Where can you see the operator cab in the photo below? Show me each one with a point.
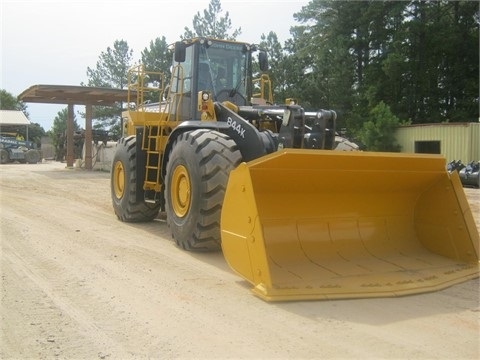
(220, 67)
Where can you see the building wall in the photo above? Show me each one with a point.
(458, 141)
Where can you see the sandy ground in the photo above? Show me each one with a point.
(79, 284)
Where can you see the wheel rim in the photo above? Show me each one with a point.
(180, 191)
(118, 179)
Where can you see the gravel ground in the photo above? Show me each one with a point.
(79, 284)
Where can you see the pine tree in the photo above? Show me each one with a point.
(111, 72)
(212, 24)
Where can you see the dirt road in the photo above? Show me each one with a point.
(79, 284)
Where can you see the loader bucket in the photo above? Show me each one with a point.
(313, 224)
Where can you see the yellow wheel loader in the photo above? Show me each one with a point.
(262, 182)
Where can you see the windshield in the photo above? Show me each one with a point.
(223, 66)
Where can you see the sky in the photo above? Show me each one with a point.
(53, 42)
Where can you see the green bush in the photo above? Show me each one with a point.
(378, 133)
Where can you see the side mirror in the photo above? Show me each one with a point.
(263, 60)
(180, 51)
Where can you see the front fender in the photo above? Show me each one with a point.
(189, 126)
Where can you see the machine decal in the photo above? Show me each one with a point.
(238, 128)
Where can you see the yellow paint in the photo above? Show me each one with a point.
(312, 224)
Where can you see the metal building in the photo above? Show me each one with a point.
(455, 141)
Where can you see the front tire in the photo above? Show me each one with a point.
(32, 156)
(196, 179)
(123, 184)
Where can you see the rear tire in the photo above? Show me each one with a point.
(196, 179)
(123, 184)
(4, 157)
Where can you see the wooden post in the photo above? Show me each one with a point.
(88, 137)
(70, 155)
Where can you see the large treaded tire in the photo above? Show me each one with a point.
(32, 156)
(4, 157)
(196, 179)
(123, 184)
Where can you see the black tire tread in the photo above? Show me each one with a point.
(129, 209)
(217, 155)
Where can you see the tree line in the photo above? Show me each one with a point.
(379, 64)
(420, 58)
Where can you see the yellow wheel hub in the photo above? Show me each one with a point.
(118, 179)
(180, 192)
